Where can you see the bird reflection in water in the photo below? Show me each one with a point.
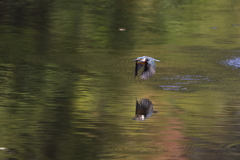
(144, 109)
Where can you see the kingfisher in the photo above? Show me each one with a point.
(149, 66)
(144, 109)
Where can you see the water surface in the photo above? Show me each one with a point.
(68, 89)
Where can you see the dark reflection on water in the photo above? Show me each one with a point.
(36, 108)
(144, 109)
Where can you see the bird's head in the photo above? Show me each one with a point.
(140, 59)
(139, 118)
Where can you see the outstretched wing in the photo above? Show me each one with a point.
(138, 66)
(149, 70)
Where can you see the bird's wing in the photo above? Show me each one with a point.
(149, 70)
(138, 66)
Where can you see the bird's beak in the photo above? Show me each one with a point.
(140, 60)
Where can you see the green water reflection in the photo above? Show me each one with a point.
(67, 79)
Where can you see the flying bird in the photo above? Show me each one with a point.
(144, 109)
(148, 64)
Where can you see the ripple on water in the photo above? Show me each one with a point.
(187, 79)
(190, 78)
(234, 62)
(234, 148)
(172, 88)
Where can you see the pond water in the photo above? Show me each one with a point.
(68, 89)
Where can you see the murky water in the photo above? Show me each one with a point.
(68, 89)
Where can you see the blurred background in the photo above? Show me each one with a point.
(67, 81)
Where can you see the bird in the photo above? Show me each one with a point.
(148, 64)
(144, 109)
